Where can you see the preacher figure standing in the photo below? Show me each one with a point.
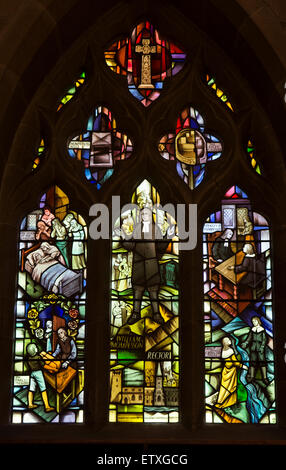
(148, 246)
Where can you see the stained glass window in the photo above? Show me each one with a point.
(50, 306)
(238, 314)
(72, 91)
(253, 160)
(144, 297)
(211, 82)
(100, 146)
(40, 154)
(144, 347)
(146, 60)
(191, 146)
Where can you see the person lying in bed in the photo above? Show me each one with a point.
(45, 254)
(47, 267)
(41, 259)
(51, 253)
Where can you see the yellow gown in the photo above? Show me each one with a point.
(227, 395)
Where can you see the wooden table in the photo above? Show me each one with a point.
(230, 293)
(63, 382)
(229, 274)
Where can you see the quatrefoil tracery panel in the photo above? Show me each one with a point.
(100, 146)
(190, 146)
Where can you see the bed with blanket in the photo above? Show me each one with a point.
(46, 265)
